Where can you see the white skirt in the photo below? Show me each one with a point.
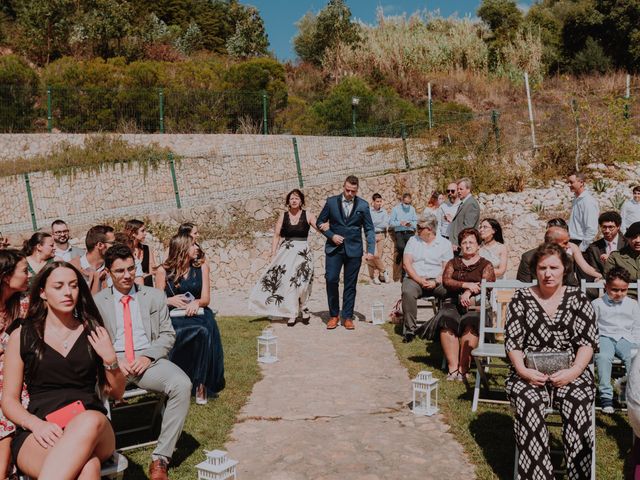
(286, 285)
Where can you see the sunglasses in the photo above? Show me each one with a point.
(451, 191)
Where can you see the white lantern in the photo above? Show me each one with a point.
(423, 386)
(377, 313)
(217, 466)
(267, 346)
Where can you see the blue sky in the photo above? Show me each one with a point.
(280, 16)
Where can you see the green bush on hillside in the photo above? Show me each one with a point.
(18, 94)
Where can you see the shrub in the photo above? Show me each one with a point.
(18, 94)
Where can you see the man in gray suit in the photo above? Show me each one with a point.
(468, 214)
(138, 322)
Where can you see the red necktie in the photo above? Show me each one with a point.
(128, 329)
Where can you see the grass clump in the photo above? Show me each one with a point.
(487, 435)
(208, 426)
(99, 152)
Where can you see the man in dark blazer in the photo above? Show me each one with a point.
(612, 240)
(468, 214)
(137, 319)
(342, 220)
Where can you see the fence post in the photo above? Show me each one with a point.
(403, 134)
(172, 167)
(430, 106)
(30, 198)
(298, 166)
(627, 94)
(496, 130)
(533, 127)
(265, 113)
(161, 100)
(49, 111)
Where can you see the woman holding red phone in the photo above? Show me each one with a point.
(61, 351)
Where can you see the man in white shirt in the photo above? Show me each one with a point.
(630, 210)
(619, 328)
(60, 233)
(137, 319)
(448, 209)
(424, 259)
(583, 222)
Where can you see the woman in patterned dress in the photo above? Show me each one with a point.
(551, 317)
(286, 285)
(14, 277)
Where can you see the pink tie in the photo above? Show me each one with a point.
(609, 247)
(128, 329)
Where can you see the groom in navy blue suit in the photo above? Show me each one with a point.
(341, 221)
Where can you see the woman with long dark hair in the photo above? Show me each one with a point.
(13, 283)
(198, 346)
(137, 233)
(191, 229)
(492, 247)
(61, 351)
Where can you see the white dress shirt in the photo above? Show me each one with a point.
(446, 208)
(140, 340)
(630, 213)
(428, 258)
(618, 320)
(347, 206)
(583, 222)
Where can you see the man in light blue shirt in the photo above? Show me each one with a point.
(619, 327)
(630, 210)
(380, 219)
(583, 221)
(403, 222)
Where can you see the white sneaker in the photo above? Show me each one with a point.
(608, 410)
(376, 281)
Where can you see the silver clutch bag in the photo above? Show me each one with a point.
(548, 362)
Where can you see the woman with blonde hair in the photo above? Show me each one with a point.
(198, 346)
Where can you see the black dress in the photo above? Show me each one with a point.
(58, 380)
(198, 346)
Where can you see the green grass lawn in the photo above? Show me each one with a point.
(208, 427)
(487, 435)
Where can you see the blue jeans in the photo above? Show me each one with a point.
(610, 348)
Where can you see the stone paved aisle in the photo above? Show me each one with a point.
(336, 407)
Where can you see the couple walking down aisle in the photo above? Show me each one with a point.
(285, 287)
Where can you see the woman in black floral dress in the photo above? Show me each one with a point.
(551, 317)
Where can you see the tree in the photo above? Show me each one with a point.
(317, 33)
(250, 37)
(504, 19)
(45, 25)
(100, 23)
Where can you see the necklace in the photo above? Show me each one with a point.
(63, 338)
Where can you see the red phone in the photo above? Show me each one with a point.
(64, 415)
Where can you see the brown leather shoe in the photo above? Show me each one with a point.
(158, 470)
(348, 324)
(333, 323)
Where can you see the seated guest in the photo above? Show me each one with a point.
(124, 239)
(137, 232)
(4, 241)
(198, 347)
(619, 327)
(598, 252)
(64, 251)
(191, 229)
(98, 240)
(630, 211)
(459, 320)
(39, 250)
(559, 236)
(61, 352)
(627, 256)
(425, 257)
(380, 219)
(137, 319)
(403, 222)
(493, 247)
(551, 317)
(13, 283)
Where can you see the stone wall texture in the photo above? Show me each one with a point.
(217, 183)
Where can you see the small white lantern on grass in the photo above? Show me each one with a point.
(423, 386)
(377, 313)
(217, 466)
(267, 346)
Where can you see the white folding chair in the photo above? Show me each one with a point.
(503, 290)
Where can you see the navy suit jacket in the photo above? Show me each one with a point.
(350, 228)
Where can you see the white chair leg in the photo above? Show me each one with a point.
(476, 390)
